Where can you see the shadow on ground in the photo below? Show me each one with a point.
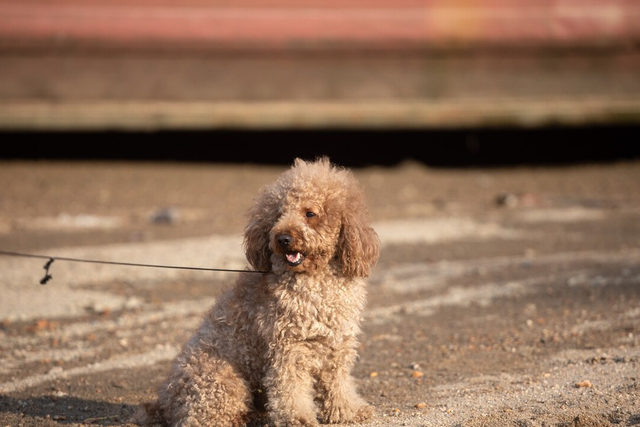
(65, 410)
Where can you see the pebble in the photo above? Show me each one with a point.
(507, 199)
(512, 200)
(585, 383)
(164, 215)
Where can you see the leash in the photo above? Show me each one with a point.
(51, 259)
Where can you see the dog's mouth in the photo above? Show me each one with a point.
(294, 258)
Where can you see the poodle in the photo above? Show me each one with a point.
(283, 341)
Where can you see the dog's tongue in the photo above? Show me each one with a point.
(293, 258)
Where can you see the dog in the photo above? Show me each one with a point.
(283, 341)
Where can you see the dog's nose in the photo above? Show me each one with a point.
(284, 240)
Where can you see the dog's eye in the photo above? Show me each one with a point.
(310, 214)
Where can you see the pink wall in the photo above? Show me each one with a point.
(286, 24)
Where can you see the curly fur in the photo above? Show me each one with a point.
(284, 341)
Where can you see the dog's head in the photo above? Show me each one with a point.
(312, 216)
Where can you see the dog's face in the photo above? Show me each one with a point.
(313, 215)
(306, 233)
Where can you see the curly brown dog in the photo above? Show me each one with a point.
(286, 337)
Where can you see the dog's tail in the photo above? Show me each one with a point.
(147, 414)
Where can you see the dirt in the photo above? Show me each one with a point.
(503, 297)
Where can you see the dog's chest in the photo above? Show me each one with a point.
(323, 311)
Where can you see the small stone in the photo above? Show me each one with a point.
(509, 200)
(417, 374)
(164, 215)
(373, 374)
(584, 384)
(420, 405)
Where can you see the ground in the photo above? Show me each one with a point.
(503, 297)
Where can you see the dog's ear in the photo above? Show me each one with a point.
(256, 245)
(358, 246)
(262, 216)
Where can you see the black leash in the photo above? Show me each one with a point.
(51, 259)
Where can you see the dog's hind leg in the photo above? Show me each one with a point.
(203, 390)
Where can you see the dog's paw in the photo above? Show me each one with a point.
(336, 414)
(305, 422)
(146, 414)
(296, 421)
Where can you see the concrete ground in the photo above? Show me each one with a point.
(503, 297)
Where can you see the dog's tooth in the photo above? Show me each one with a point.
(293, 258)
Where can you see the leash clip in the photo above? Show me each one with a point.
(47, 276)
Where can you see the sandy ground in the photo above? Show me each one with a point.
(503, 297)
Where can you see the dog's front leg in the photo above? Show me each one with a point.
(289, 387)
(341, 403)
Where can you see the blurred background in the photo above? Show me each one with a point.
(446, 82)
